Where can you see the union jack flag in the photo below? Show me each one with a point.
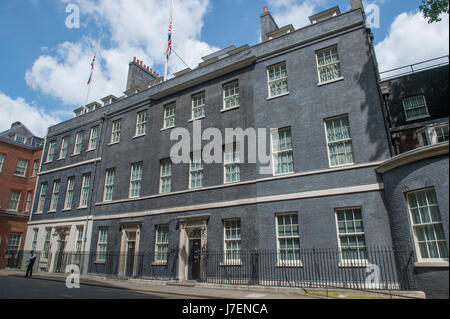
(92, 69)
(169, 45)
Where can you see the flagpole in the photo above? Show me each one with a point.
(167, 53)
(92, 76)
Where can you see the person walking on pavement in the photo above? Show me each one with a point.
(31, 265)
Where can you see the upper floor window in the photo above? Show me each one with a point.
(69, 193)
(35, 168)
(231, 95)
(232, 241)
(141, 125)
(42, 198)
(21, 168)
(135, 180)
(432, 135)
(2, 160)
(85, 187)
(288, 239)
(78, 143)
(232, 166)
(166, 176)
(55, 196)
(427, 225)
(109, 184)
(278, 80)
(51, 152)
(328, 65)
(162, 244)
(169, 116)
(415, 108)
(339, 139)
(64, 148)
(93, 139)
(283, 155)
(352, 240)
(116, 129)
(198, 106)
(29, 200)
(14, 200)
(196, 171)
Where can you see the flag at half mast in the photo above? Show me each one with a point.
(92, 69)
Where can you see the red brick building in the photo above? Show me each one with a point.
(20, 155)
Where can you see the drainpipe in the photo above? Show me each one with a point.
(92, 192)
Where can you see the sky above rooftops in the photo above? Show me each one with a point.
(45, 65)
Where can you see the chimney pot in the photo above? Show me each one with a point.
(134, 59)
(265, 9)
(145, 66)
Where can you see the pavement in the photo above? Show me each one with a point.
(158, 289)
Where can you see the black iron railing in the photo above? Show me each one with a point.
(368, 269)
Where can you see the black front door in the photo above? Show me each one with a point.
(194, 259)
(130, 258)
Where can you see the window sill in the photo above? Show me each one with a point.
(432, 264)
(345, 165)
(81, 208)
(21, 176)
(231, 183)
(74, 155)
(285, 174)
(51, 212)
(67, 210)
(48, 162)
(332, 81)
(110, 144)
(230, 109)
(418, 118)
(294, 264)
(354, 264)
(139, 136)
(160, 264)
(276, 97)
(200, 118)
(98, 262)
(61, 159)
(231, 264)
(167, 128)
(88, 151)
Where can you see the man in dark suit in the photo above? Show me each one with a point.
(31, 265)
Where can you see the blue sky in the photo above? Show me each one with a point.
(44, 65)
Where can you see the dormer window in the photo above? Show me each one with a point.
(432, 135)
(20, 139)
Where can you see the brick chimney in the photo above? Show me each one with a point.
(357, 4)
(268, 24)
(139, 75)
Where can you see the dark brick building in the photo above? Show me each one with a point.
(20, 154)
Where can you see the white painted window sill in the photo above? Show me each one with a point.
(230, 109)
(354, 264)
(330, 82)
(81, 208)
(61, 159)
(231, 264)
(341, 166)
(51, 212)
(276, 97)
(167, 128)
(432, 264)
(139, 136)
(159, 264)
(294, 264)
(21, 176)
(285, 174)
(90, 150)
(67, 210)
(200, 118)
(99, 262)
(115, 143)
(74, 155)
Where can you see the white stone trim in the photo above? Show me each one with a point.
(70, 166)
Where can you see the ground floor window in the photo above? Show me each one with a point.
(352, 240)
(288, 237)
(232, 242)
(13, 243)
(162, 244)
(102, 247)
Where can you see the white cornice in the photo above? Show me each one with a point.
(70, 166)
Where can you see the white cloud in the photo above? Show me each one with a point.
(35, 119)
(293, 12)
(411, 39)
(135, 28)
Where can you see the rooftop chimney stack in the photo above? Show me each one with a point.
(268, 24)
(357, 4)
(139, 75)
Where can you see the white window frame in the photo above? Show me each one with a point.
(68, 200)
(20, 139)
(78, 144)
(42, 198)
(141, 124)
(14, 197)
(288, 263)
(138, 167)
(165, 176)
(340, 141)
(64, 148)
(93, 139)
(46, 251)
(277, 80)
(233, 97)
(35, 168)
(238, 229)
(172, 115)
(116, 132)
(416, 117)
(35, 238)
(79, 239)
(102, 242)
(429, 135)
(197, 169)
(22, 167)
(196, 106)
(51, 152)
(2, 160)
(274, 153)
(235, 161)
(109, 184)
(55, 196)
(414, 226)
(29, 201)
(360, 262)
(319, 67)
(85, 190)
(162, 245)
